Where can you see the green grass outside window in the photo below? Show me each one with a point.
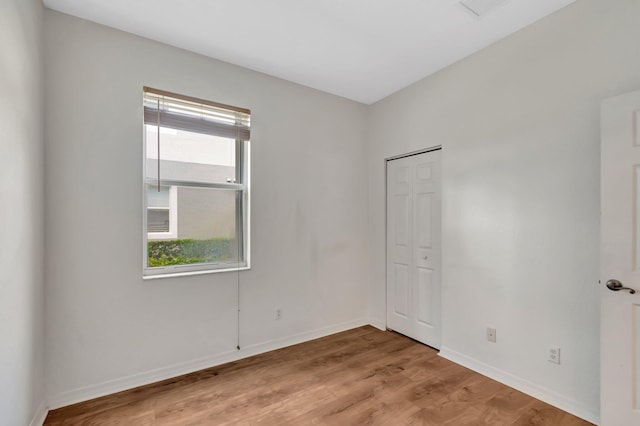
(188, 251)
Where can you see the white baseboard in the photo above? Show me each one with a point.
(117, 385)
(40, 415)
(272, 345)
(539, 392)
(377, 323)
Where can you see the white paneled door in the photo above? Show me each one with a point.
(413, 247)
(620, 261)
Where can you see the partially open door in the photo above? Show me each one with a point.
(620, 261)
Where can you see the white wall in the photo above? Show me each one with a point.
(519, 123)
(107, 328)
(21, 213)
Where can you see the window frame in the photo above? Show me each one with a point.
(241, 186)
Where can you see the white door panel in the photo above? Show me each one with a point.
(425, 298)
(413, 247)
(401, 291)
(620, 251)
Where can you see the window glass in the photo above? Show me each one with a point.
(207, 230)
(189, 156)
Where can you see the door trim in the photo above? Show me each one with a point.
(408, 154)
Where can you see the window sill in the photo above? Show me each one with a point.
(190, 273)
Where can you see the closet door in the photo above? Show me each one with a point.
(413, 247)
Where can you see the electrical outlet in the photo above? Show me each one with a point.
(491, 335)
(278, 313)
(554, 355)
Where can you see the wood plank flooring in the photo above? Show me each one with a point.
(362, 376)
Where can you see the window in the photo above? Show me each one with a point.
(162, 212)
(195, 185)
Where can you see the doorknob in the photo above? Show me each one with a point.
(616, 285)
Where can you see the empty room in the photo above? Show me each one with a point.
(285, 212)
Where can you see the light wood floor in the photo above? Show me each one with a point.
(359, 377)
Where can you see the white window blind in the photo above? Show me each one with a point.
(196, 115)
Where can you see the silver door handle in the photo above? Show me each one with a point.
(615, 285)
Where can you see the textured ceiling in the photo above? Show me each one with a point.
(359, 49)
